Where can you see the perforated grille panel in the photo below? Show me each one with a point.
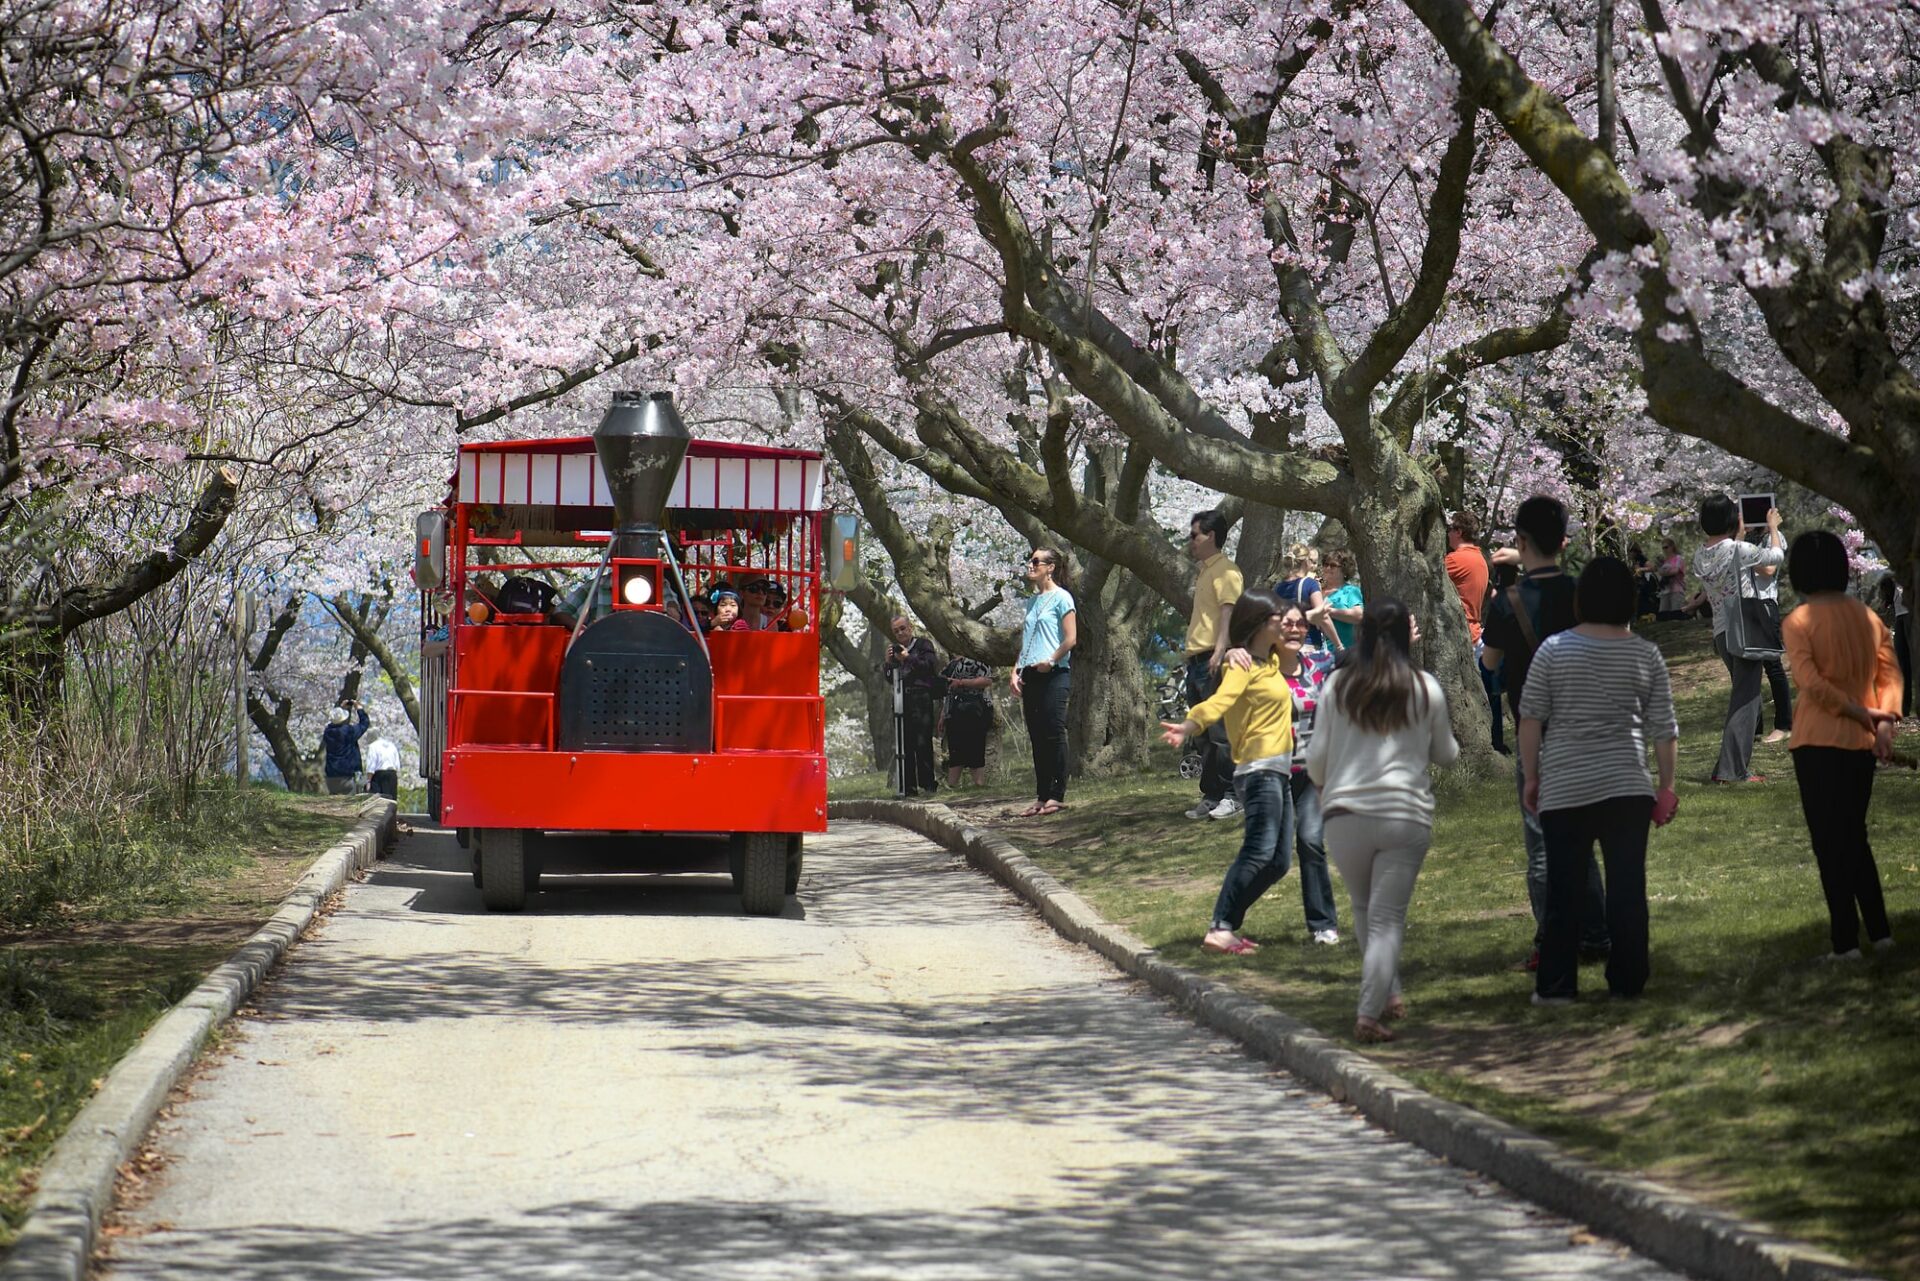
(636, 681)
(635, 700)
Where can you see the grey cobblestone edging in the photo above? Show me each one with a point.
(1655, 1220)
(75, 1185)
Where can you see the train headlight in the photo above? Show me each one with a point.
(638, 589)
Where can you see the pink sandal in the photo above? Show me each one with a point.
(1233, 946)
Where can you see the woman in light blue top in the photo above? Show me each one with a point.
(1042, 678)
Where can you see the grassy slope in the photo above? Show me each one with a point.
(74, 998)
(1749, 1073)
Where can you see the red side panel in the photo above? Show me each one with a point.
(767, 687)
(634, 791)
(517, 658)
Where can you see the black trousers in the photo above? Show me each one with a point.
(1216, 757)
(1620, 825)
(385, 782)
(1836, 786)
(916, 772)
(1043, 702)
(1782, 696)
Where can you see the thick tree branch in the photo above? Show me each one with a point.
(83, 604)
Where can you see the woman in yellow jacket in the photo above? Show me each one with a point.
(1257, 705)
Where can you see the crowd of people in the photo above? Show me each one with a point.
(1330, 730)
(714, 601)
(1316, 728)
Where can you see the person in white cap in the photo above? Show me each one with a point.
(341, 746)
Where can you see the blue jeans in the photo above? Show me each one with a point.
(1266, 848)
(1310, 841)
(1490, 681)
(1593, 901)
(1216, 757)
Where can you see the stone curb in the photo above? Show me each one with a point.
(1655, 1220)
(76, 1182)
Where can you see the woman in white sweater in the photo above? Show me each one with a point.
(1381, 722)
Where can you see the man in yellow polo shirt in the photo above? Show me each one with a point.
(1217, 585)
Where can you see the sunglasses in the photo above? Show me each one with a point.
(1036, 560)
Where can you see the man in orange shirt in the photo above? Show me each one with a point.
(1467, 567)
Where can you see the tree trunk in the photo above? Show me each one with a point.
(365, 625)
(1398, 529)
(1111, 715)
(862, 661)
(298, 771)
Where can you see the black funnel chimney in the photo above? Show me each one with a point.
(641, 442)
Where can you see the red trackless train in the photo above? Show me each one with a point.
(569, 684)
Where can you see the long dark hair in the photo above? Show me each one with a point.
(1382, 691)
(1250, 613)
(1058, 564)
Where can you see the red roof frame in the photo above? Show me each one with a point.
(584, 445)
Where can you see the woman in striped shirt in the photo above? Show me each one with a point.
(1595, 695)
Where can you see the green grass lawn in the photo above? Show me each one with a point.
(76, 995)
(1750, 1073)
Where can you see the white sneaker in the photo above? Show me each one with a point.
(1227, 808)
(1551, 1000)
(1883, 945)
(1326, 936)
(1204, 808)
(1831, 957)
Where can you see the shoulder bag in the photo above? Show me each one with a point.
(1753, 625)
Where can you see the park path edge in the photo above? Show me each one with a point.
(76, 1182)
(1659, 1222)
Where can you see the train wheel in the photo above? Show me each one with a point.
(433, 799)
(503, 868)
(763, 882)
(796, 855)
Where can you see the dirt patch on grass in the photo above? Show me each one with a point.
(1571, 1070)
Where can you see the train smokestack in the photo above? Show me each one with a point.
(641, 443)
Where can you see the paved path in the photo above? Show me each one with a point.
(907, 1076)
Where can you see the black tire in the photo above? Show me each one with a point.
(796, 858)
(737, 860)
(433, 799)
(503, 863)
(763, 881)
(463, 837)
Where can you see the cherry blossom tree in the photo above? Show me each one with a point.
(1760, 230)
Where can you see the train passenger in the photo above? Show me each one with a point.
(567, 611)
(726, 612)
(777, 616)
(702, 613)
(753, 606)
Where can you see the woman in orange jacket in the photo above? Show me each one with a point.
(1842, 660)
